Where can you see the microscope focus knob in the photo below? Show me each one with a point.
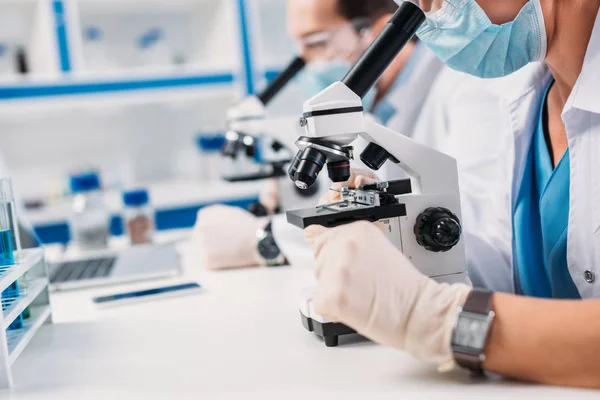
(438, 229)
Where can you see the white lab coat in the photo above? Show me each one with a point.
(512, 104)
(522, 95)
(458, 118)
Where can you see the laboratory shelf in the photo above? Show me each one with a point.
(28, 292)
(31, 90)
(34, 296)
(29, 259)
(18, 339)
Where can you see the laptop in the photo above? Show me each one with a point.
(109, 267)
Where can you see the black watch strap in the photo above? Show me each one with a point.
(478, 302)
(469, 361)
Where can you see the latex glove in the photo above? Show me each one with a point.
(369, 285)
(225, 237)
(358, 177)
(269, 195)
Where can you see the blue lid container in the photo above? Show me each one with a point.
(136, 198)
(85, 182)
(210, 143)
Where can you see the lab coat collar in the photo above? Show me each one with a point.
(585, 93)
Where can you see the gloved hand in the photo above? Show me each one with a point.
(358, 177)
(369, 285)
(225, 237)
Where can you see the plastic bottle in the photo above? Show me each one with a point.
(90, 218)
(139, 216)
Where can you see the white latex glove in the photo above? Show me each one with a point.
(369, 285)
(358, 177)
(225, 237)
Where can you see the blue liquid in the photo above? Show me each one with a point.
(16, 324)
(6, 249)
(10, 295)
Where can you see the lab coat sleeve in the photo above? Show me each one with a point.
(463, 118)
(479, 137)
(291, 242)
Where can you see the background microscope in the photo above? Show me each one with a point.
(269, 141)
(252, 133)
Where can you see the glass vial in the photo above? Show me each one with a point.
(139, 217)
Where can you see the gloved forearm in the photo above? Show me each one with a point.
(368, 284)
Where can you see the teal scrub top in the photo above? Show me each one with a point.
(541, 220)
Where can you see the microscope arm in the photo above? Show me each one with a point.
(254, 107)
(281, 81)
(430, 171)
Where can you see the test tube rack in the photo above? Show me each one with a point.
(31, 273)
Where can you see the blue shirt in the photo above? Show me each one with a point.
(540, 222)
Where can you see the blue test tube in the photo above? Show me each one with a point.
(9, 296)
(7, 197)
(6, 247)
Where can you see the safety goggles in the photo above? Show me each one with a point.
(342, 41)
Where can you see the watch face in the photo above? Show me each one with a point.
(268, 249)
(471, 331)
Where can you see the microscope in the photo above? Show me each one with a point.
(252, 133)
(268, 141)
(419, 215)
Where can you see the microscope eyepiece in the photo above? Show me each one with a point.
(306, 166)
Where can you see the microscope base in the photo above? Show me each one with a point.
(329, 331)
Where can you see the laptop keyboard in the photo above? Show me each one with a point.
(73, 271)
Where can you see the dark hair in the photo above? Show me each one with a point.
(370, 9)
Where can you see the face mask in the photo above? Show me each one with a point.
(319, 75)
(464, 38)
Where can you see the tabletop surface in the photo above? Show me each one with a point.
(240, 337)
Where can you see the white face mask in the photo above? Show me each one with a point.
(464, 38)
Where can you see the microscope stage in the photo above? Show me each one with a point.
(334, 215)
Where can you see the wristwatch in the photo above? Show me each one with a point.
(471, 330)
(267, 248)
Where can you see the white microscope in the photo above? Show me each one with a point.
(268, 141)
(420, 215)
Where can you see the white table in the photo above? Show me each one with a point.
(241, 337)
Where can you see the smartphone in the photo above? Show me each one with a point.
(149, 294)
